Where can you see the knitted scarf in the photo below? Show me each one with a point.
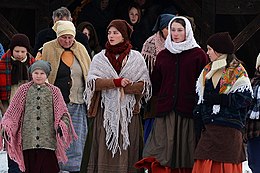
(13, 119)
(118, 111)
(121, 49)
(19, 70)
(233, 79)
(152, 46)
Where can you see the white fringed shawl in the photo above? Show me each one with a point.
(118, 110)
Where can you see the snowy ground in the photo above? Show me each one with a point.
(3, 164)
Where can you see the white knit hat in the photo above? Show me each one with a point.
(257, 61)
(63, 27)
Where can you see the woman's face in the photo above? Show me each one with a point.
(19, 53)
(114, 36)
(104, 4)
(178, 32)
(66, 41)
(133, 15)
(213, 55)
(86, 33)
(39, 76)
(165, 32)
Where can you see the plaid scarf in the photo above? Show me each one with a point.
(6, 74)
(121, 49)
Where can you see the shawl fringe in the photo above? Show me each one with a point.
(118, 110)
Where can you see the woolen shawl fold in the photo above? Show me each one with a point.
(13, 119)
(118, 111)
(233, 79)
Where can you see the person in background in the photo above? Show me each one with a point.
(49, 34)
(117, 80)
(14, 66)
(99, 13)
(253, 123)
(224, 93)
(171, 143)
(70, 64)
(138, 38)
(152, 46)
(89, 31)
(37, 125)
(2, 51)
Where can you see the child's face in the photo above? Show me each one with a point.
(19, 53)
(39, 76)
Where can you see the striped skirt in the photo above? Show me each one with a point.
(172, 142)
(78, 115)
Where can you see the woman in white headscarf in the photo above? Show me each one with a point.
(170, 145)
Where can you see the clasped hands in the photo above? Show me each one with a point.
(216, 99)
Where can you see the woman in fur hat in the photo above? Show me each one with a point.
(224, 92)
(170, 145)
(37, 125)
(14, 66)
(253, 123)
(117, 80)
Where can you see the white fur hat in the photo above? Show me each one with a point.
(257, 61)
(63, 27)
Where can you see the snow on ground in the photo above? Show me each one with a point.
(3, 164)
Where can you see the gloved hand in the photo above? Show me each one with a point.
(59, 131)
(217, 99)
(197, 111)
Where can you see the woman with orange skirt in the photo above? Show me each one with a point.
(224, 92)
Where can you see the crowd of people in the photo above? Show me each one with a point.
(161, 105)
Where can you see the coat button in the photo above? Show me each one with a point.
(38, 118)
(37, 128)
(38, 98)
(38, 107)
(37, 145)
(37, 137)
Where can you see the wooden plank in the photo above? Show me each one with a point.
(208, 19)
(247, 33)
(6, 27)
(18, 4)
(241, 7)
(195, 11)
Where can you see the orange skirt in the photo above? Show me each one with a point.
(209, 166)
(154, 166)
